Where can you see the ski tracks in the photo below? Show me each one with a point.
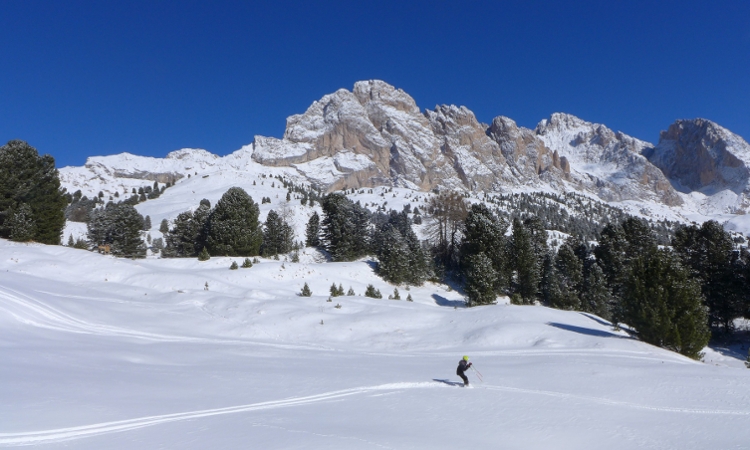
(65, 434)
(606, 401)
(79, 432)
(31, 311)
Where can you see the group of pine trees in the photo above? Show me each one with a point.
(231, 228)
(349, 231)
(673, 296)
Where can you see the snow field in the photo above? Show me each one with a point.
(101, 352)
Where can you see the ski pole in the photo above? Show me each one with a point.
(477, 373)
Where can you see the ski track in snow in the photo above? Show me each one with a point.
(64, 434)
(30, 311)
(79, 432)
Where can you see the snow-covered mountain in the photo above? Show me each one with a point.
(376, 135)
(706, 160)
(605, 162)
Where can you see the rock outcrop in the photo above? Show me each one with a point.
(699, 155)
(527, 155)
(401, 146)
(604, 162)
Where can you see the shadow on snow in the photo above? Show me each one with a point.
(586, 331)
(442, 301)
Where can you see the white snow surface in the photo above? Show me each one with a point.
(100, 352)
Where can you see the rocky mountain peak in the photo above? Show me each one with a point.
(606, 162)
(700, 155)
(377, 91)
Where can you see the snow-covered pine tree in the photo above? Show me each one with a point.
(233, 227)
(484, 233)
(708, 251)
(664, 304)
(568, 279)
(526, 263)
(118, 225)
(26, 177)
(596, 297)
(393, 255)
(21, 224)
(277, 235)
(312, 231)
(481, 278)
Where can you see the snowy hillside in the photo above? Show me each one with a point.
(111, 353)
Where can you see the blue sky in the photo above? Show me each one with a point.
(84, 78)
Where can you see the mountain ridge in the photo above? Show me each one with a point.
(376, 135)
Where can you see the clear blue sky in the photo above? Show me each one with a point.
(84, 78)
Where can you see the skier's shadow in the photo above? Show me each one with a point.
(449, 382)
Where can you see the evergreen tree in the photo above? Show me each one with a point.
(188, 234)
(118, 225)
(27, 178)
(312, 232)
(596, 296)
(485, 233)
(611, 257)
(306, 292)
(371, 292)
(393, 255)
(664, 304)
(569, 279)
(708, 251)
(481, 278)
(527, 266)
(21, 224)
(164, 226)
(204, 255)
(344, 228)
(158, 244)
(147, 223)
(448, 211)
(234, 266)
(400, 254)
(233, 227)
(277, 235)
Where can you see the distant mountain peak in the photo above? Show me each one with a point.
(700, 155)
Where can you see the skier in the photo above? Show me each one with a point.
(463, 366)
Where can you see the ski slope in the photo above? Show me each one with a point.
(109, 353)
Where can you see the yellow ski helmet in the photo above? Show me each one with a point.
(466, 358)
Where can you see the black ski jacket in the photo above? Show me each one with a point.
(463, 366)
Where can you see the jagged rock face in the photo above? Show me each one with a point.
(607, 163)
(528, 157)
(476, 158)
(699, 155)
(386, 140)
(446, 147)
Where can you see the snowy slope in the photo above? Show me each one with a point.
(101, 352)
